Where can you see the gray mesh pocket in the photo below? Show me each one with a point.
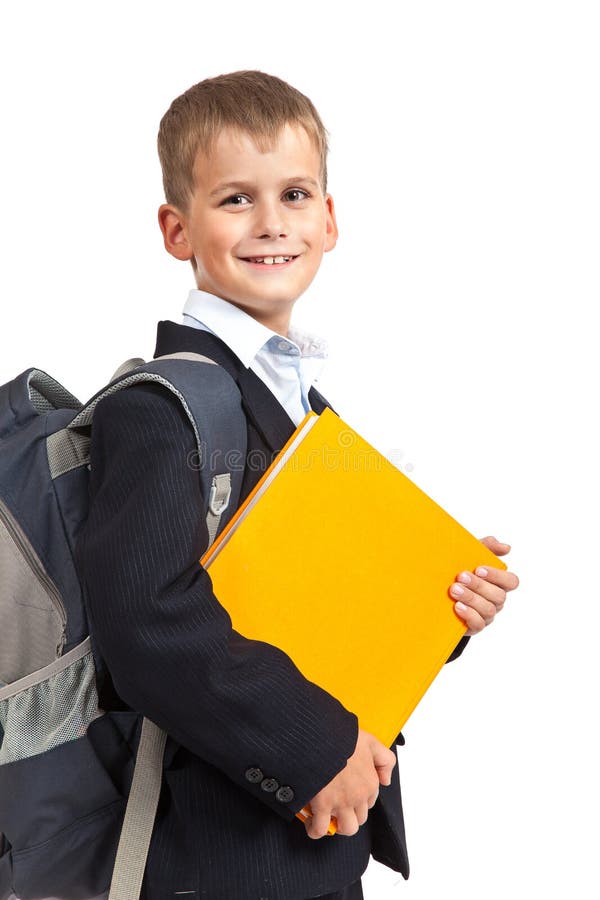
(50, 707)
(31, 608)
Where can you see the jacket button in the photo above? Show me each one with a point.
(253, 775)
(269, 785)
(285, 794)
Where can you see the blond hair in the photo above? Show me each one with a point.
(249, 101)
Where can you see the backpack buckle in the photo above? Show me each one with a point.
(220, 494)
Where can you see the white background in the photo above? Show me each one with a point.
(459, 304)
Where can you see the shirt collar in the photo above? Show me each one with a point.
(242, 333)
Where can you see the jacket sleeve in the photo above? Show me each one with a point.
(458, 649)
(241, 705)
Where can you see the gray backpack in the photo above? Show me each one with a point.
(73, 777)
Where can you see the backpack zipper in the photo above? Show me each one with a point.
(33, 561)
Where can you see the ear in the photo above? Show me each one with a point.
(331, 229)
(173, 226)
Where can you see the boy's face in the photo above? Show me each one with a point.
(257, 224)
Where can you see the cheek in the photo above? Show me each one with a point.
(216, 239)
(225, 233)
(318, 239)
(318, 231)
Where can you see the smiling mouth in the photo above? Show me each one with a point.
(271, 261)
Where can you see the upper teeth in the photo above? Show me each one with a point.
(269, 260)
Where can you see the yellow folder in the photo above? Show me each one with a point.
(344, 563)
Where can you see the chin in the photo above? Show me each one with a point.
(272, 295)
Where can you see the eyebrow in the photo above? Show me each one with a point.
(246, 185)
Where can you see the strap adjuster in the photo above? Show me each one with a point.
(220, 494)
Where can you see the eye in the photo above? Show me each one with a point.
(236, 200)
(294, 195)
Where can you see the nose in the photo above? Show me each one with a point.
(270, 221)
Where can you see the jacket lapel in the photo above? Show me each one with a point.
(262, 408)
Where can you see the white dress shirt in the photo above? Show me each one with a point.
(287, 365)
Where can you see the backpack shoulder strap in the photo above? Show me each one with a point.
(212, 402)
(221, 431)
(136, 832)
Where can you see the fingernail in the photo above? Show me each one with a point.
(460, 606)
(481, 571)
(457, 590)
(465, 577)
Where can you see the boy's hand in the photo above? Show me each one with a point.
(481, 594)
(351, 794)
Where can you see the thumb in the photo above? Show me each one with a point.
(384, 761)
(496, 546)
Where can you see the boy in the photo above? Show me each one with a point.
(251, 741)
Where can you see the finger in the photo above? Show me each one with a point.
(384, 760)
(508, 581)
(384, 773)
(496, 546)
(318, 824)
(347, 822)
(362, 813)
(373, 799)
(485, 609)
(480, 587)
(472, 619)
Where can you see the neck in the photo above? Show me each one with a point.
(277, 320)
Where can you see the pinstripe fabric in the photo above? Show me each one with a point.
(352, 892)
(168, 651)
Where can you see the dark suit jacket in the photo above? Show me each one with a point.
(233, 708)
